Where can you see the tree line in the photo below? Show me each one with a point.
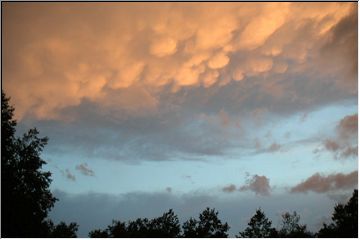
(208, 225)
(26, 201)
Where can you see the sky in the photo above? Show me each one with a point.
(152, 106)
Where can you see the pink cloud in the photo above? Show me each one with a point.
(320, 184)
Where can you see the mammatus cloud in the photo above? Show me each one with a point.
(174, 46)
(85, 170)
(142, 77)
(345, 143)
(320, 184)
(258, 184)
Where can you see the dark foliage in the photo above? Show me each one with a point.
(259, 227)
(208, 225)
(291, 228)
(165, 226)
(62, 230)
(26, 198)
(168, 226)
(345, 220)
(25, 195)
(98, 233)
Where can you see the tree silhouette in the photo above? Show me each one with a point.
(209, 225)
(62, 230)
(291, 228)
(98, 233)
(345, 220)
(258, 227)
(26, 198)
(165, 226)
(25, 195)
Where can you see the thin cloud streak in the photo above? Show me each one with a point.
(85, 170)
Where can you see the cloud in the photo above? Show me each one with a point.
(95, 210)
(270, 18)
(69, 175)
(229, 189)
(143, 81)
(345, 143)
(274, 147)
(220, 60)
(85, 170)
(348, 126)
(333, 182)
(331, 145)
(258, 184)
(163, 47)
(350, 152)
(168, 189)
(153, 48)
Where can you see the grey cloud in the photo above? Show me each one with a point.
(229, 189)
(274, 147)
(69, 175)
(163, 136)
(304, 117)
(348, 126)
(331, 145)
(85, 170)
(333, 182)
(66, 173)
(258, 184)
(345, 143)
(350, 152)
(95, 210)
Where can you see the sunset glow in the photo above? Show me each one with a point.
(151, 106)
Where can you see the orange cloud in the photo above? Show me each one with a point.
(270, 18)
(163, 47)
(65, 55)
(220, 60)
